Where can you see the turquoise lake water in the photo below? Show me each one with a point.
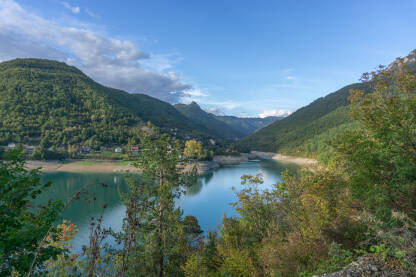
(207, 200)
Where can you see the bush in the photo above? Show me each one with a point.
(46, 154)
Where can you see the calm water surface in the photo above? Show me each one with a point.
(207, 200)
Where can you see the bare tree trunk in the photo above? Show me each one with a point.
(160, 229)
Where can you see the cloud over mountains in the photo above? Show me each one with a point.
(278, 113)
(112, 62)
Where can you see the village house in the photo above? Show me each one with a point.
(118, 150)
(29, 149)
(85, 149)
(135, 149)
(11, 145)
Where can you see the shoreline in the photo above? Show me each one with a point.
(80, 166)
(307, 162)
(202, 166)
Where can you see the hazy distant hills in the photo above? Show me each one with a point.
(49, 101)
(247, 125)
(194, 113)
(305, 131)
(223, 126)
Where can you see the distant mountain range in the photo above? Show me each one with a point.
(305, 131)
(49, 102)
(248, 125)
(224, 126)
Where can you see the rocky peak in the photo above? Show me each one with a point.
(408, 60)
(194, 104)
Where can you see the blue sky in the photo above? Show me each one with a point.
(244, 58)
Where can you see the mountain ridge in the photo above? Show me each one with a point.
(68, 107)
(226, 126)
(304, 131)
(194, 113)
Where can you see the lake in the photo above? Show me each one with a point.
(207, 200)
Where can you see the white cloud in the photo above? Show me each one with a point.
(278, 112)
(90, 13)
(196, 93)
(161, 62)
(216, 111)
(112, 62)
(290, 77)
(73, 9)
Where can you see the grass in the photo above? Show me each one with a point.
(123, 163)
(106, 155)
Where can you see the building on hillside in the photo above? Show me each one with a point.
(11, 145)
(212, 141)
(135, 149)
(118, 150)
(85, 149)
(29, 149)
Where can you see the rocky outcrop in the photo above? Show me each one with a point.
(205, 166)
(368, 266)
(202, 167)
(230, 160)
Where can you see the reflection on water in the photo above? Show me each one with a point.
(208, 199)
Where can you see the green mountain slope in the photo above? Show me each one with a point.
(49, 101)
(209, 121)
(247, 125)
(289, 133)
(306, 131)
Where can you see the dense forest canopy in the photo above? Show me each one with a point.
(48, 102)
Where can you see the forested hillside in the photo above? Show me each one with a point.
(306, 131)
(209, 121)
(288, 134)
(56, 104)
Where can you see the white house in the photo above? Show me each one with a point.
(117, 150)
(11, 145)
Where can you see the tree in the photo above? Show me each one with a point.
(380, 157)
(193, 149)
(156, 240)
(24, 227)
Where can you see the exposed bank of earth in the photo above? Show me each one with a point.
(202, 166)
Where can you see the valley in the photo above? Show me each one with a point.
(207, 138)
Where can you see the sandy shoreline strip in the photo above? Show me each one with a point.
(110, 166)
(285, 159)
(79, 166)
